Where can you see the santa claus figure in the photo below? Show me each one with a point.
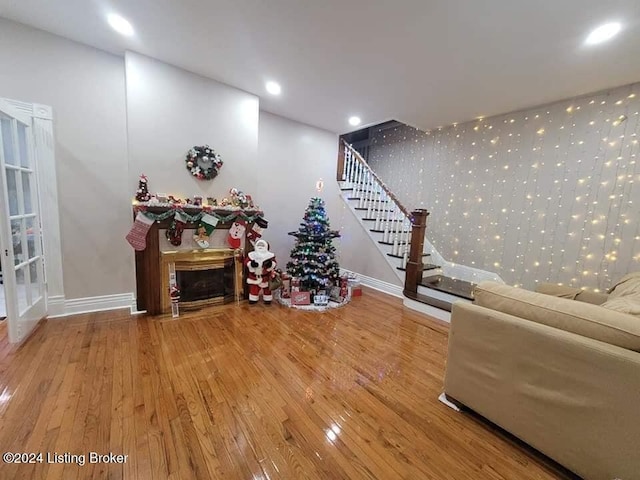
(261, 264)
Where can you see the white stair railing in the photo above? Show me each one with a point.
(379, 203)
(393, 219)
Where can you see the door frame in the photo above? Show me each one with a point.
(45, 165)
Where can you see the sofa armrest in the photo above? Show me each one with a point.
(571, 397)
(572, 293)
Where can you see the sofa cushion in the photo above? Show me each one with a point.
(572, 293)
(558, 290)
(584, 319)
(628, 286)
(629, 305)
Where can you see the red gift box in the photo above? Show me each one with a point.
(300, 298)
(356, 291)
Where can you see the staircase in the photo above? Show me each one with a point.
(438, 283)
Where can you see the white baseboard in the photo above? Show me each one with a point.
(427, 310)
(55, 306)
(376, 284)
(60, 307)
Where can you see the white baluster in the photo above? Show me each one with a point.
(356, 175)
(347, 152)
(362, 186)
(395, 246)
(388, 224)
(405, 256)
(371, 196)
(378, 213)
(362, 174)
(405, 235)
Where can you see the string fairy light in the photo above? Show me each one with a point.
(545, 194)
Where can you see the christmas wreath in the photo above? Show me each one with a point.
(203, 162)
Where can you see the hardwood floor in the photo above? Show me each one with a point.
(248, 392)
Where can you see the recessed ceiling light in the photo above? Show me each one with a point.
(603, 33)
(273, 88)
(355, 121)
(120, 24)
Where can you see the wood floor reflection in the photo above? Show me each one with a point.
(248, 392)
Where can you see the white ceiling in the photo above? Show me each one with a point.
(424, 62)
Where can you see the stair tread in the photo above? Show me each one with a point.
(425, 266)
(391, 243)
(458, 288)
(434, 302)
(366, 199)
(370, 219)
(402, 256)
(365, 208)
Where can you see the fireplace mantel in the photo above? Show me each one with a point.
(149, 281)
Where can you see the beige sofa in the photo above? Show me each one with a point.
(562, 375)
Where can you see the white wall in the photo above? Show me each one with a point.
(169, 111)
(110, 129)
(85, 87)
(547, 194)
(292, 158)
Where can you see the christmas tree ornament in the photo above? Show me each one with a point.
(261, 264)
(205, 229)
(137, 236)
(142, 193)
(236, 232)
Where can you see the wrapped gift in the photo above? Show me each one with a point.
(295, 284)
(356, 290)
(300, 298)
(344, 287)
(285, 291)
(335, 294)
(321, 299)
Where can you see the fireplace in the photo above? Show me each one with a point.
(205, 277)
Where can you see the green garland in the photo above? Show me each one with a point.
(158, 217)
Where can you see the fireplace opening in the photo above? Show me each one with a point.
(196, 285)
(204, 277)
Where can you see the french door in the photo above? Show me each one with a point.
(20, 227)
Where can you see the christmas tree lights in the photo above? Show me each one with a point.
(313, 256)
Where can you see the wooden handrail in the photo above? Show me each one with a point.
(393, 197)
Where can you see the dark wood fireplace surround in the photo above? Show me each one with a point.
(149, 283)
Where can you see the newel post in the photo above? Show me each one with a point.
(341, 148)
(413, 274)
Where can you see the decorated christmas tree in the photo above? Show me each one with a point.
(313, 256)
(142, 193)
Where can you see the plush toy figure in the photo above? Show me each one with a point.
(261, 264)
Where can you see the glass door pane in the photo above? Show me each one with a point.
(17, 229)
(21, 290)
(26, 192)
(20, 232)
(12, 190)
(23, 151)
(7, 141)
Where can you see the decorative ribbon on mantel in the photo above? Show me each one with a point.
(195, 218)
